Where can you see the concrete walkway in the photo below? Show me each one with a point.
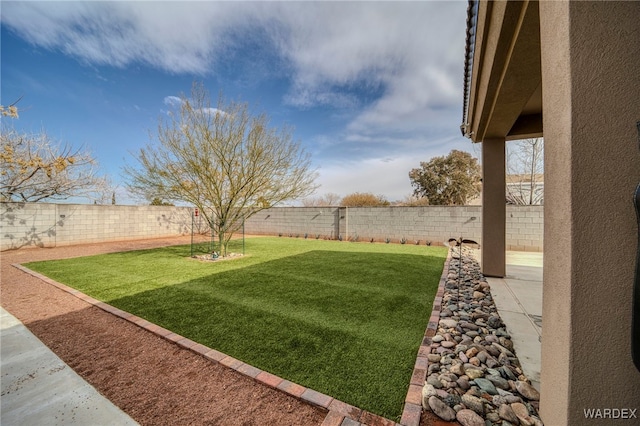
(38, 388)
(518, 298)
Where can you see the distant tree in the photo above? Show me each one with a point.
(412, 201)
(450, 180)
(157, 201)
(34, 168)
(326, 200)
(525, 169)
(222, 160)
(366, 199)
(107, 192)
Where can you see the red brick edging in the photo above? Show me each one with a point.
(339, 413)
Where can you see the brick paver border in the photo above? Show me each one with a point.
(338, 413)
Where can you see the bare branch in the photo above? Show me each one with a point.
(525, 172)
(34, 168)
(223, 160)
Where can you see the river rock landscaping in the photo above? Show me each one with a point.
(474, 375)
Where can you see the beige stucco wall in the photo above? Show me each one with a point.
(493, 208)
(591, 103)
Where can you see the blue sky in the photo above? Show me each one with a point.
(371, 88)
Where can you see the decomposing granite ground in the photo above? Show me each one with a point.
(153, 380)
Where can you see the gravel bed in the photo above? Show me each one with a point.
(474, 375)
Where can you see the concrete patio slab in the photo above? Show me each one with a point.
(518, 297)
(38, 388)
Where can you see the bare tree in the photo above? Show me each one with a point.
(34, 168)
(525, 172)
(327, 200)
(108, 192)
(222, 160)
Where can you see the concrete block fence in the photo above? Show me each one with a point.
(435, 224)
(50, 225)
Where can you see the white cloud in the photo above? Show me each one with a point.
(213, 111)
(393, 44)
(377, 176)
(172, 101)
(331, 47)
(395, 68)
(175, 102)
(165, 35)
(386, 175)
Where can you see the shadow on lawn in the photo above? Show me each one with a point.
(345, 324)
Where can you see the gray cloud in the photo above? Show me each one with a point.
(404, 46)
(409, 54)
(401, 45)
(172, 36)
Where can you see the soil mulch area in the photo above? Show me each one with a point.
(153, 380)
(429, 419)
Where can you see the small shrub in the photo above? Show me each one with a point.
(387, 240)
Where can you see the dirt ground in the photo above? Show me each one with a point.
(153, 380)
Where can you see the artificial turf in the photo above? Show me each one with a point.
(345, 319)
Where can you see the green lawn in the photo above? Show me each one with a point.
(345, 319)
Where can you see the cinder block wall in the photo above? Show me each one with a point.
(321, 221)
(525, 227)
(429, 223)
(50, 225)
(27, 224)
